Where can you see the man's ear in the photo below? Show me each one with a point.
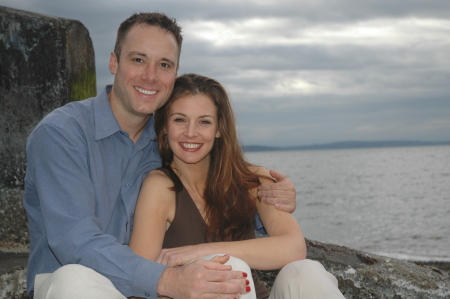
(113, 63)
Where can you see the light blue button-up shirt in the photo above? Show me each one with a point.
(82, 181)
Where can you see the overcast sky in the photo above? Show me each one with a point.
(302, 72)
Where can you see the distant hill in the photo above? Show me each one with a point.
(344, 145)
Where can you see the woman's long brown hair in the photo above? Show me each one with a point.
(230, 206)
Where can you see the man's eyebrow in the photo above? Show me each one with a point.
(135, 53)
(168, 60)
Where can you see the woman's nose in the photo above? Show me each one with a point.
(191, 130)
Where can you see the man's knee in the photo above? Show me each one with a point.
(76, 279)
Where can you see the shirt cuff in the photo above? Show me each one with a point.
(146, 278)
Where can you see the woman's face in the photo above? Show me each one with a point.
(192, 128)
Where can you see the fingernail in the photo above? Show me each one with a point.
(247, 282)
(244, 274)
(247, 289)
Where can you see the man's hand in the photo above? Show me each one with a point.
(203, 279)
(281, 193)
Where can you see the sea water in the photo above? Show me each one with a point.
(389, 201)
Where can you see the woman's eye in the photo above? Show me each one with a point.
(178, 120)
(205, 122)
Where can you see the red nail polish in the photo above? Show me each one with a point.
(247, 282)
(247, 289)
(244, 274)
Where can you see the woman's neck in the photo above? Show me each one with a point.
(193, 176)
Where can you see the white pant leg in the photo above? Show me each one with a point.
(305, 279)
(239, 265)
(75, 282)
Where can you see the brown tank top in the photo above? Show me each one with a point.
(188, 226)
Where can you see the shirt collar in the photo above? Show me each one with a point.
(105, 121)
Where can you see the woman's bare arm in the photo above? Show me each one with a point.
(284, 244)
(154, 208)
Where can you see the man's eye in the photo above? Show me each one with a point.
(165, 65)
(138, 59)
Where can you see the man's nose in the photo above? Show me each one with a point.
(150, 74)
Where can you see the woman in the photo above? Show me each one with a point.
(202, 201)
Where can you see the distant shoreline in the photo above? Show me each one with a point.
(344, 145)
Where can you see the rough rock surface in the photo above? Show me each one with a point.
(360, 274)
(365, 275)
(13, 275)
(45, 63)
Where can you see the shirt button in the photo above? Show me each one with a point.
(146, 294)
(131, 215)
(127, 185)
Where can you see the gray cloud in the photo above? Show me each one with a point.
(303, 72)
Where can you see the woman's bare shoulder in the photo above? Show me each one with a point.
(157, 178)
(262, 172)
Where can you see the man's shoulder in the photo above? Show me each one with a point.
(72, 113)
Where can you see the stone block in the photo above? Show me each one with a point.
(45, 63)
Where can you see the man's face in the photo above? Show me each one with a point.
(145, 73)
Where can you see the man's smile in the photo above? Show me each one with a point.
(145, 91)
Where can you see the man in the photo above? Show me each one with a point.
(86, 162)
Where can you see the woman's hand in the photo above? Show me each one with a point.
(181, 255)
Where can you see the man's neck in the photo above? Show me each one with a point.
(134, 125)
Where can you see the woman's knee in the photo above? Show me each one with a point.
(305, 279)
(300, 272)
(236, 263)
(303, 266)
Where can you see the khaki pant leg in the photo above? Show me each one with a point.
(74, 282)
(305, 279)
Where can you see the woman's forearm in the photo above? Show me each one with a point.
(267, 253)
